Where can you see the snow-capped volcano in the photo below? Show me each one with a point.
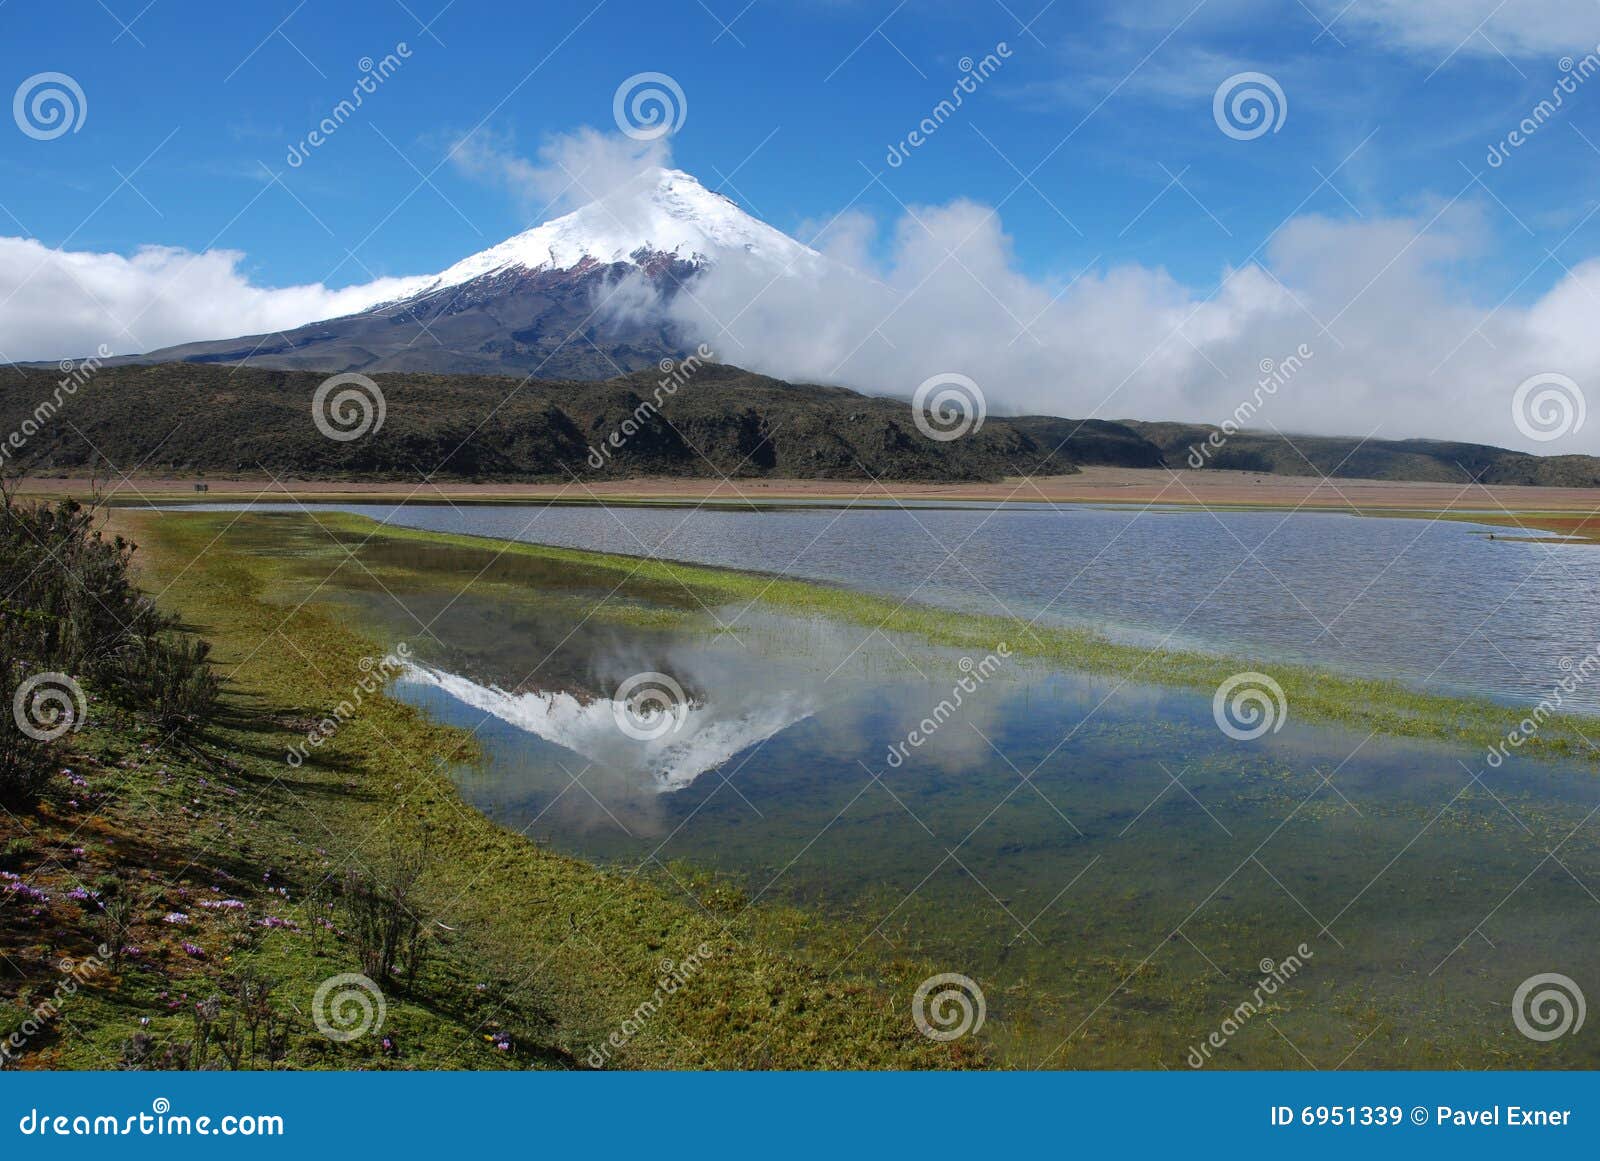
(661, 213)
(545, 302)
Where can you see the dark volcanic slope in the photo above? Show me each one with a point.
(1344, 457)
(191, 417)
(522, 322)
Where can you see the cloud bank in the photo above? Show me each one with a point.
(1395, 350)
(61, 304)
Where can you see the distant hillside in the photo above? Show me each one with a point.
(187, 417)
(193, 417)
(1346, 457)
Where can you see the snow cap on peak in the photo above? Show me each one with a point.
(660, 211)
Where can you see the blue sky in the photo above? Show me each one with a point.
(190, 101)
(1161, 253)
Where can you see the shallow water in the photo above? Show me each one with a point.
(1109, 866)
(1437, 603)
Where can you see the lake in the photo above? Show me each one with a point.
(1434, 602)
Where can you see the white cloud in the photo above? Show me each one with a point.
(56, 304)
(1406, 354)
(1520, 28)
(573, 169)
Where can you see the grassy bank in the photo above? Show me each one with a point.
(235, 870)
(1313, 695)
